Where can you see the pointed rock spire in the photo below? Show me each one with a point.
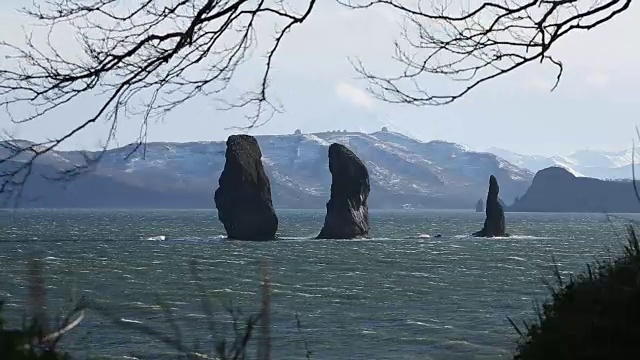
(347, 210)
(494, 224)
(243, 199)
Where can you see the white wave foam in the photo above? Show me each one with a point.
(198, 238)
(218, 238)
(511, 237)
(313, 238)
(187, 238)
(527, 237)
(310, 237)
(420, 323)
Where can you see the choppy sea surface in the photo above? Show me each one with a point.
(403, 294)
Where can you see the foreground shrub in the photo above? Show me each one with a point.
(25, 344)
(35, 342)
(595, 315)
(37, 339)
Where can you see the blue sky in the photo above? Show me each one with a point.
(595, 106)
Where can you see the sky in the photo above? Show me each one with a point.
(595, 106)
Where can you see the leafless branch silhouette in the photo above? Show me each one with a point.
(237, 346)
(39, 337)
(633, 166)
(471, 43)
(264, 346)
(140, 61)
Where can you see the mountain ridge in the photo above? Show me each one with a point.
(581, 163)
(405, 172)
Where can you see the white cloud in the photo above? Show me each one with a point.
(538, 84)
(597, 79)
(314, 60)
(354, 95)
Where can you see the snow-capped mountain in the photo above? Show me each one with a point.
(404, 172)
(583, 163)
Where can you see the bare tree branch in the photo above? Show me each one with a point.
(140, 61)
(264, 344)
(475, 42)
(633, 166)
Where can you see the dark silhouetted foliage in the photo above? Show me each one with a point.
(595, 315)
(25, 344)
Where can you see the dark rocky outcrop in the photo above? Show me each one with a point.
(347, 210)
(480, 206)
(555, 189)
(494, 223)
(243, 199)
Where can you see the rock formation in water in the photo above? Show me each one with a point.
(243, 199)
(494, 223)
(480, 206)
(555, 189)
(347, 210)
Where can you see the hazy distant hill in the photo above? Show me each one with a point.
(557, 190)
(405, 172)
(583, 163)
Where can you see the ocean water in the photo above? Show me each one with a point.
(399, 295)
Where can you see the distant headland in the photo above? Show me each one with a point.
(405, 173)
(555, 189)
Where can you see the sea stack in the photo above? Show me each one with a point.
(480, 206)
(494, 223)
(347, 210)
(243, 199)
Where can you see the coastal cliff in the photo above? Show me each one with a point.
(555, 189)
